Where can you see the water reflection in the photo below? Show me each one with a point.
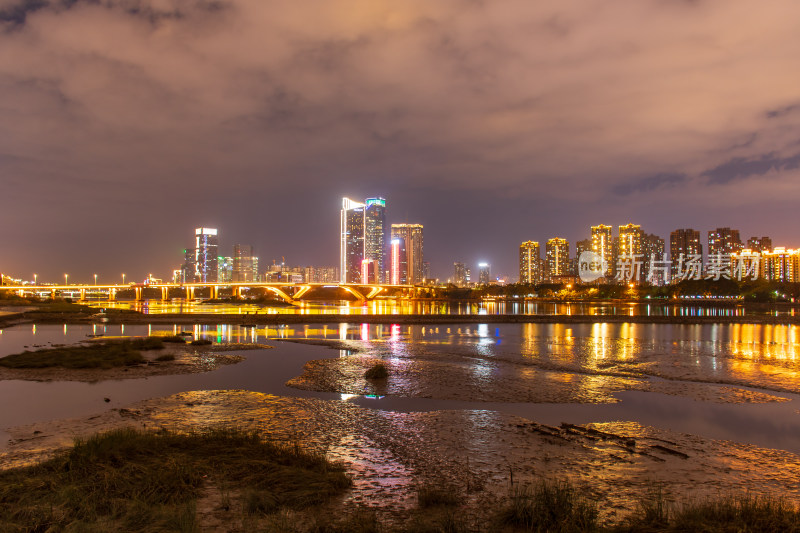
(427, 307)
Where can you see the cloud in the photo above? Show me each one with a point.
(742, 168)
(649, 183)
(564, 102)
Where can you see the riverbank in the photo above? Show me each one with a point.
(475, 454)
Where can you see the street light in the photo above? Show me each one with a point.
(34, 279)
(66, 278)
(95, 279)
(123, 279)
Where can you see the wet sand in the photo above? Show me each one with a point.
(466, 375)
(474, 452)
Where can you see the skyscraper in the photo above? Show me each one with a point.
(724, 241)
(654, 251)
(461, 274)
(352, 241)
(603, 245)
(243, 263)
(760, 244)
(410, 268)
(484, 273)
(686, 242)
(375, 236)
(529, 262)
(556, 257)
(205, 255)
(363, 238)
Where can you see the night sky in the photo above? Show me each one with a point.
(128, 123)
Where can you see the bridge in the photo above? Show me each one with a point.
(289, 292)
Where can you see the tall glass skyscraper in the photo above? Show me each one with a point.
(205, 255)
(410, 263)
(351, 251)
(363, 238)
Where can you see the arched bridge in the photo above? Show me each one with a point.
(289, 292)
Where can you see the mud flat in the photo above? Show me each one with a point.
(474, 453)
(186, 359)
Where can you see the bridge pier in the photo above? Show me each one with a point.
(112, 295)
(53, 294)
(237, 292)
(139, 293)
(83, 295)
(164, 294)
(189, 294)
(213, 292)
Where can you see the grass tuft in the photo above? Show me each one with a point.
(165, 357)
(433, 496)
(201, 342)
(549, 506)
(106, 354)
(377, 371)
(128, 480)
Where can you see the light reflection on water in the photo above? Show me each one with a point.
(562, 365)
(435, 307)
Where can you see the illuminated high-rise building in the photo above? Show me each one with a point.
(529, 262)
(724, 241)
(781, 265)
(631, 239)
(759, 244)
(352, 241)
(187, 268)
(484, 273)
(363, 237)
(375, 236)
(602, 244)
(684, 242)
(224, 269)
(243, 263)
(410, 267)
(556, 257)
(654, 250)
(460, 275)
(205, 255)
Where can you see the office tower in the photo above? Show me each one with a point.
(410, 259)
(460, 276)
(398, 263)
(724, 241)
(352, 241)
(687, 243)
(653, 248)
(603, 245)
(256, 276)
(205, 255)
(759, 244)
(375, 236)
(484, 273)
(225, 269)
(529, 262)
(370, 271)
(556, 258)
(242, 263)
(363, 237)
(426, 271)
(187, 268)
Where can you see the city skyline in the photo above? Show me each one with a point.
(490, 123)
